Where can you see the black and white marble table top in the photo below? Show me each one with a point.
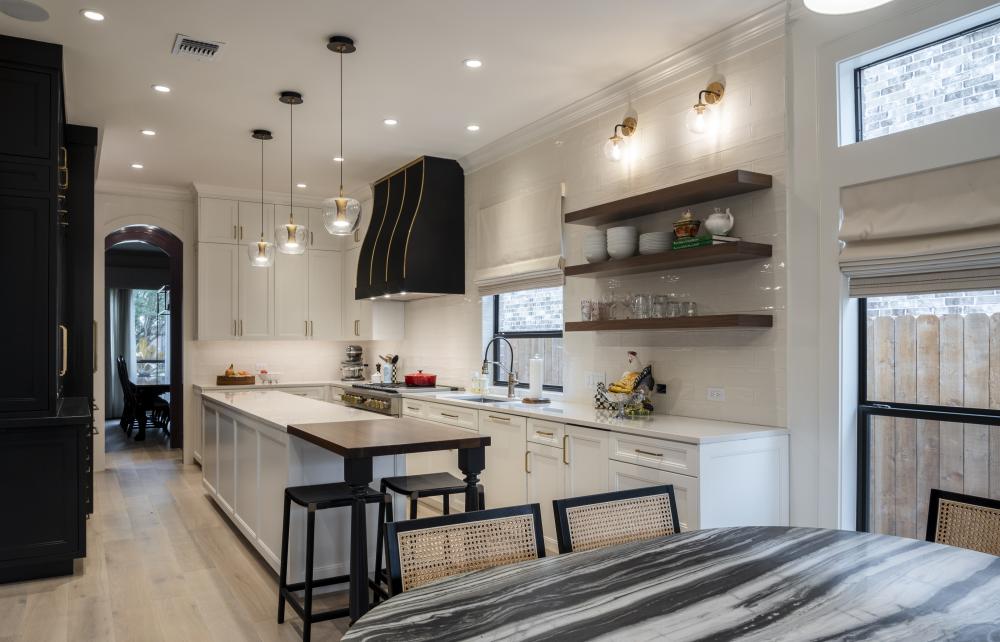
(734, 583)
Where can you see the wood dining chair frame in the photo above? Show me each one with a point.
(561, 507)
(991, 506)
(394, 529)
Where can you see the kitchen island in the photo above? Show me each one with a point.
(248, 458)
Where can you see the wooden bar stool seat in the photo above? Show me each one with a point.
(313, 498)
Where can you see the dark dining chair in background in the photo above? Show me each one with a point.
(620, 517)
(965, 521)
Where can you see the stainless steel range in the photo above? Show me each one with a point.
(385, 398)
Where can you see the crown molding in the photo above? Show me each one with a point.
(253, 195)
(747, 34)
(143, 190)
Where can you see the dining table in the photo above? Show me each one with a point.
(148, 389)
(358, 442)
(747, 583)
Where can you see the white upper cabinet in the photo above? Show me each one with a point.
(319, 238)
(217, 290)
(355, 239)
(367, 320)
(218, 220)
(301, 215)
(291, 297)
(255, 306)
(325, 270)
(249, 228)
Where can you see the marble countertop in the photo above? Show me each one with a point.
(674, 428)
(202, 387)
(279, 409)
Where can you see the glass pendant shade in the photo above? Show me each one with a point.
(291, 238)
(341, 215)
(261, 254)
(701, 119)
(840, 7)
(615, 148)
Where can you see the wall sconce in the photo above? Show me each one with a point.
(701, 118)
(615, 147)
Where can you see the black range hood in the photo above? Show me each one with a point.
(415, 244)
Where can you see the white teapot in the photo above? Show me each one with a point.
(719, 222)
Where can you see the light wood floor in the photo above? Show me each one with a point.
(162, 564)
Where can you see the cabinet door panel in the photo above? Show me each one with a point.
(246, 476)
(504, 478)
(546, 482)
(255, 300)
(27, 112)
(624, 476)
(218, 221)
(291, 301)
(324, 294)
(587, 454)
(271, 487)
(217, 290)
(350, 312)
(249, 226)
(210, 449)
(319, 238)
(227, 461)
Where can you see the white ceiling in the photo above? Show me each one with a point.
(538, 56)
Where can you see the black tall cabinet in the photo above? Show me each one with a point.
(46, 330)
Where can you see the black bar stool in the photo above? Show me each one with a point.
(442, 485)
(314, 498)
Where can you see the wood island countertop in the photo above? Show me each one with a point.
(376, 438)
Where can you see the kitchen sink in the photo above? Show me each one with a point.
(479, 399)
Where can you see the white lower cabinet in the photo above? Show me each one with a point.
(587, 457)
(226, 427)
(505, 476)
(209, 449)
(629, 476)
(546, 481)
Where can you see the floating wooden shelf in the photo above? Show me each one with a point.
(673, 259)
(675, 323)
(738, 181)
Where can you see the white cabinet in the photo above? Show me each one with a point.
(367, 320)
(254, 300)
(249, 227)
(291, 297)
(226, 427)
(358, 237)
(209, 449)
(218, 220)
(217, 291)
(628, 476)
(546, 481)
(324, 297)
(587, 457)
(300, 214)
(319, 238)
(351, 307)
(504, 477)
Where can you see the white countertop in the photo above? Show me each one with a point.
(278, 409)
(674, 428)
(203, 387)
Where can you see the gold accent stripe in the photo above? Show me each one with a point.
(371, 263)
(399, 214)
(401, 169)
(420, 198)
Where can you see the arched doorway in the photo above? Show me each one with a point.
(173, 247)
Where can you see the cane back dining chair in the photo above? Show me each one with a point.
(964, 521)
(609, 519)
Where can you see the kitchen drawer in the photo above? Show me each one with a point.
(452, 415)
(655, 453)
(489, 417)
(414, 408)
(547, 433)
(686, 489)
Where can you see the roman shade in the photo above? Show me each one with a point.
(933, 231)
(519, 243)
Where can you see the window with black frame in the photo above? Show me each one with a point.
(532, 320)
(930, 404)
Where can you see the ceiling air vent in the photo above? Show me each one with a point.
(200, 49)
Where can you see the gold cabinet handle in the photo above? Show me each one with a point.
(357, 330)
(646, 452)
(234, 328)
(312, 239)
(241, 327)
(306, 324)
(412, 408)
(356, 239)
(527, 465)
(444, 414)
(63, 173)
(234, 233)
(65, 350)
(503, 419)
(565, 449)
(95, 345)
(542, 432)
(241, 232)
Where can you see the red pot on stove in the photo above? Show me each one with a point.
(419, 378)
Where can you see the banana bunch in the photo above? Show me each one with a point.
(626, 384)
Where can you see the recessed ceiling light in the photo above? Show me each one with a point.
(148, 132)
(473, 63)
(23, 10)
(338, 159)
(136, 165)
(90, 14)
(301, 185)
(390, 122)
(163, 89)
(472, 128)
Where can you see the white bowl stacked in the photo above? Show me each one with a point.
(623, 241)
(595, 246)
(654, 242)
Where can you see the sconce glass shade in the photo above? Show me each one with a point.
(615, 148)
(291, 238)
(840, 7)
(341, 215)
(701, 119)
(261, 254)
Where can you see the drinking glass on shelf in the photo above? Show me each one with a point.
(586, 310)
(673, 309)
(689, 308)
(624, 309)
(660, 306)
(607, 307)
(642, 306)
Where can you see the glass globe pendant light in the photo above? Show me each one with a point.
(261, 253)
(342, 214)
(291, 236)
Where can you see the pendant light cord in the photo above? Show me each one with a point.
(261, 190)
(342, 161)
(291, 164)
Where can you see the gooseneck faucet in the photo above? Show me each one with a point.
(511, 375)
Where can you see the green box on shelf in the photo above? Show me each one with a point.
(683, 244)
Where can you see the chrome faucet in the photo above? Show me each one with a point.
(511, 375)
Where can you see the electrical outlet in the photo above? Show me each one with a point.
(716, 394)
(594, 378)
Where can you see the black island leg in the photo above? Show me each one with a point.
(472, 461)
(358, 474)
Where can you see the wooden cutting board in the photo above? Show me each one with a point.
(235, 380)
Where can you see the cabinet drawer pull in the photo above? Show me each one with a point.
(546, 434)
(504, 419)
(565, 449)
(413, 408)
(646, 452)
(65, 350)
(241, 232)
(527, 465)
(306, 331)
(444, 414)
(234, 233)
(234, 328)
(312, 239)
